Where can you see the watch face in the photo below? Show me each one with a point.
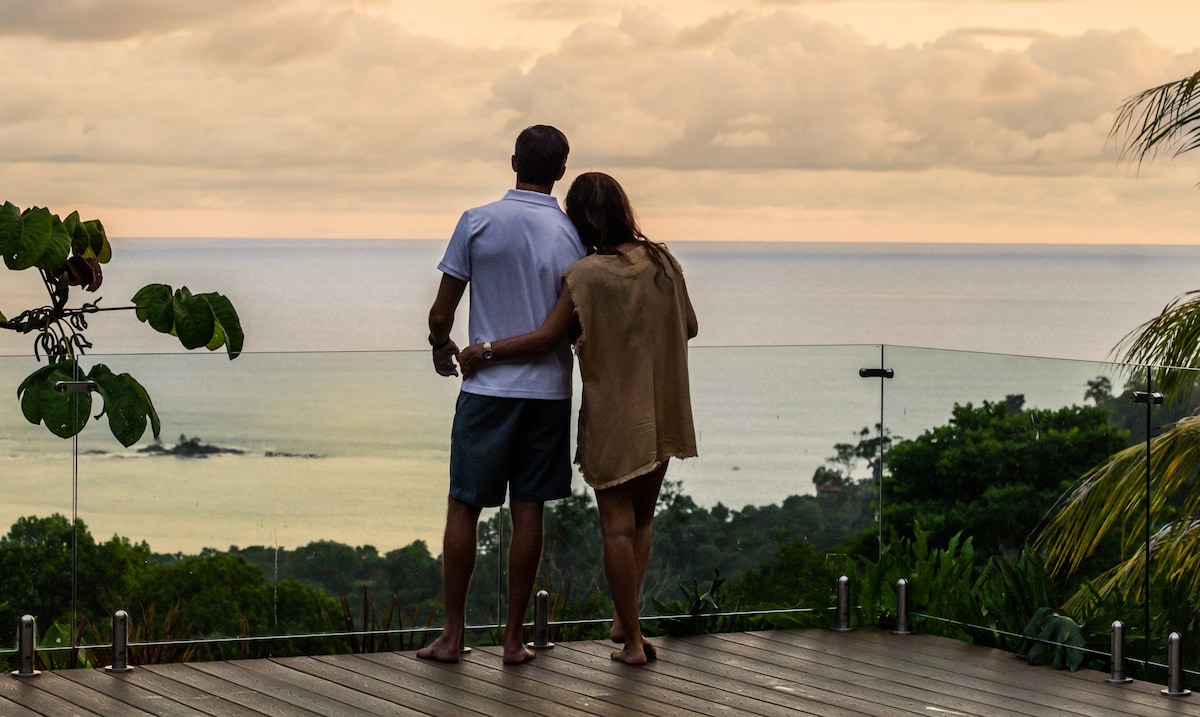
(488, 354)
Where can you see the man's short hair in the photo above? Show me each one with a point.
(541, 154)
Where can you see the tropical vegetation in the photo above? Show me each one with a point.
(712, 568)
(69, 254)
(1140, 505)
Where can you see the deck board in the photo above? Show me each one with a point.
(992, 677)
(870, 673)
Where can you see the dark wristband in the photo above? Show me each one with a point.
(437, 346)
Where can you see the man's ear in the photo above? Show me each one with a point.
(561, 172)
(514, 163)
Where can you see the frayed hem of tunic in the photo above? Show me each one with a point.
(638, 472)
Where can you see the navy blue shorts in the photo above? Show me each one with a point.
(497, 443)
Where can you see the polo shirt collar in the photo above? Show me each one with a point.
(524, 195)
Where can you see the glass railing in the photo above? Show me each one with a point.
(295, 503)
(985, 468)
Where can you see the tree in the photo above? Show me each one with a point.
(38, 558)
(994, 470)
(69, 253)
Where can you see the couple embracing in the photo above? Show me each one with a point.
(540, 282)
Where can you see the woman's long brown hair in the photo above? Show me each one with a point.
(603, 216)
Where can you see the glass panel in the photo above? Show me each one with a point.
(989, 448)
(315, 472)
(304, 494)
(768, 420)
(36, 554)
(1170, 404)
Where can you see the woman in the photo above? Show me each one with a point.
(629, 309)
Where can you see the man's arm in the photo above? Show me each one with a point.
(557, 323)
(441, 322)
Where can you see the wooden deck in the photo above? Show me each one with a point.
(808, 672)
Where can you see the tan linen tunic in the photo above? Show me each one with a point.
(636, 409)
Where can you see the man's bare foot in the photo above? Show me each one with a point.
(518, 657)
(631, 655)
(442, 650)
(650, 650)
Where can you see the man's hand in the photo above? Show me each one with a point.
(469, 359)
(443, 359)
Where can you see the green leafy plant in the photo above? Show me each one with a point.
(701, 612)
(943, 582)
(69, 253)
(1053, 637)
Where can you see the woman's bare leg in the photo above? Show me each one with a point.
(627, 521)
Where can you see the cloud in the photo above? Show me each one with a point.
(825, 99)
(557, 9)
(108, 20)
(294, 108)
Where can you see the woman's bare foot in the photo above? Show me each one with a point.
(519, 656)
(617, 633)
(442, 650)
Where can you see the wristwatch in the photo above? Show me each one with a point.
(488, 353)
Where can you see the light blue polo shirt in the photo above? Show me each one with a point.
(513, 254)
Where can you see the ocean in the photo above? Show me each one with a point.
(339, 429)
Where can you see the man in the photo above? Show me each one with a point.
(512, 420)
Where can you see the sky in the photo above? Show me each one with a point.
(767, 120)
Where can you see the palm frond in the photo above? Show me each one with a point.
(1170, 342)
(1159, 118)
(1174, 558)
(1111, 500)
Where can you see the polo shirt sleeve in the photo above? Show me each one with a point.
(456, 262)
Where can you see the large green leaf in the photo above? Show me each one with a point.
(36, 238)
(80, 241)
(10, 229)
(63, 414)
(126, 403)
(154, 305)
(100, 249)
(88, 239)
(207, 320)
(195, 323)
(229, 326)
(155, 422)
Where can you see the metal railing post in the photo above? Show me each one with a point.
(26, 645)
(120, 643)
(902, 608)
(1175, 667)
(1118, 676)
(843, 605)
(541, 622)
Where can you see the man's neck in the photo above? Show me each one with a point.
(540, 188)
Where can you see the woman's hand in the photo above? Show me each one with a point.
(469, 359)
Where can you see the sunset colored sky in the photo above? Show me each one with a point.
(810, 120)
